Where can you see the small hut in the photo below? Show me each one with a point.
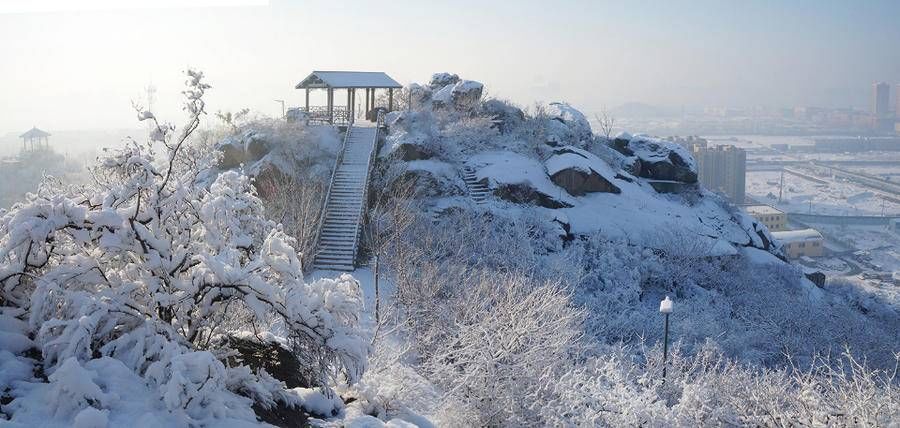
(35, 139)
(348, 81)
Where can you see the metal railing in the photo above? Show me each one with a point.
(364, 205)
(337, 164)
(320, 115)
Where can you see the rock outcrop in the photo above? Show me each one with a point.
(580, 172)
(658, 159)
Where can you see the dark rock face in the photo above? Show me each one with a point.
(579, 172)
(817, 278)
(505, 116)
(522, 193)
(245, 150)
(578, 182)
(658, 160)
(410, 152)
(283, 365)
(278, 361)
(672, 186)
(425, 184)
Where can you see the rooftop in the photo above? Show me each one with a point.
(348, 79)
(797, 235)
(761, 209)
(34, 133)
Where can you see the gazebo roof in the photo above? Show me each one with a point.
(348, 79)
(34, 133)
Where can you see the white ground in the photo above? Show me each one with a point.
(838, 197)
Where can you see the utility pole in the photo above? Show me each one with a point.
(781, 186)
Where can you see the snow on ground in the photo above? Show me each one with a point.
(838, 197)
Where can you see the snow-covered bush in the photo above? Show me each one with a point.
(153, 262)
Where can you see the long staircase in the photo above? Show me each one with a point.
(339, 226)
(477, 190)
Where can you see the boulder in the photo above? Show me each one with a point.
(429, 178)
(277, 360)
(296, 114)
(520, 179)
(462, 95)
(575, 121)
(246, 148)
(659, 160)
(580, 172)
(505, 116)
(440, 80)
(524, 193)
(409, 152)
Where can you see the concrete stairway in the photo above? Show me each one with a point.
(339, 234)
(477, 190)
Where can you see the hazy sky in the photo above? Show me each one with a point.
(80, 69)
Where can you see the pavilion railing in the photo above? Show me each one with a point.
(319, 115)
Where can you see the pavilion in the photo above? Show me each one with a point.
(349, 81)
(35, 135)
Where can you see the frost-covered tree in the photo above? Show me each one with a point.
(155, 262)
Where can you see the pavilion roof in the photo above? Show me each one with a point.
(34, 133)
(348, 79)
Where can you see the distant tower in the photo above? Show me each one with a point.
(35, 139)
(881, 115)
(897, 96)
(151, 99)
(881, 100)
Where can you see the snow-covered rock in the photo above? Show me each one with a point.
(520, 179)
(431, 178)
(580, 172)
(460, 95)
(574, 120)
(659, 159)
(506, 117)
(440, 80)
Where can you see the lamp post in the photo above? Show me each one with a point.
(665, 307)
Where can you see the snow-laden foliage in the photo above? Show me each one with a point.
(149, 266)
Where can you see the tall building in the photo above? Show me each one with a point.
(881, 100)
(897, 96)
(722, 169)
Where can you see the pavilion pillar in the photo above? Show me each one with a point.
(331, 106)
(366, 108)
(349, 106)
(352, 105)
(390, 99)
(307, 100)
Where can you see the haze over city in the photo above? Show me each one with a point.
(92, 60)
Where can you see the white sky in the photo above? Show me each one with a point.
(78, 64)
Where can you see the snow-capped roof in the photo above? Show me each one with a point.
(34, 133)
(348, 79)
(797, 235)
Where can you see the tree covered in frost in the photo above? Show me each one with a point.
(153, 264)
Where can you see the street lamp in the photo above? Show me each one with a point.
(665, 306)
(282, 107)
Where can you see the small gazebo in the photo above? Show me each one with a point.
(349, 81)
(36, 139)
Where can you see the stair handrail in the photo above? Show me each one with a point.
(364, 205)
(337, 163)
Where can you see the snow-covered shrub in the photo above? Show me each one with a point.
(153, 262)
(508, 339)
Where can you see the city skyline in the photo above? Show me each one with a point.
(592, 54)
